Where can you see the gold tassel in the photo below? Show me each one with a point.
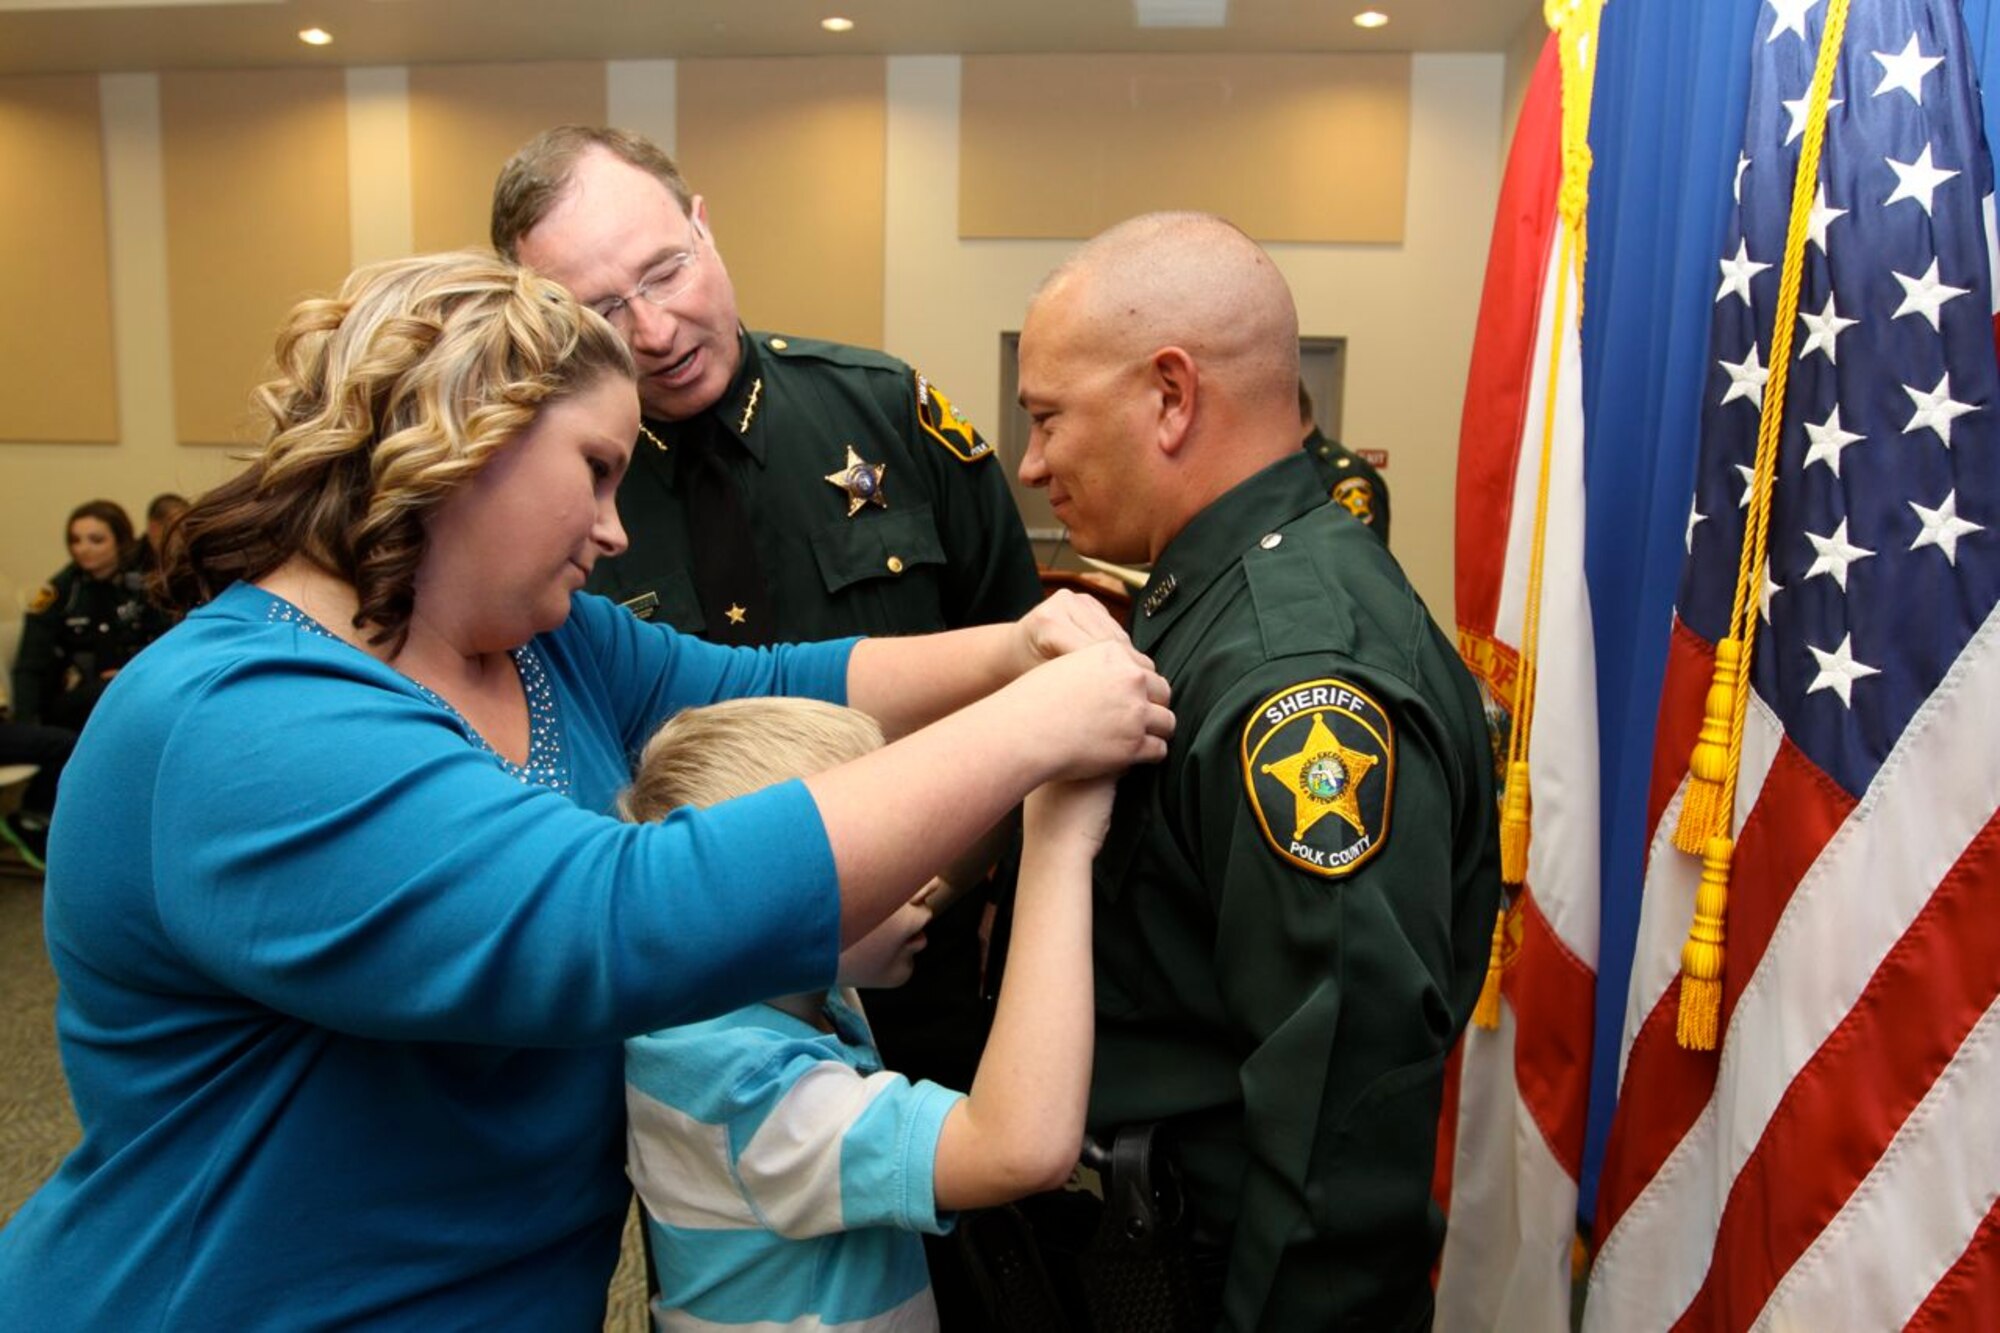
(1514, 825)
(1486, 1013)
(1697, 1024)
(1702, 815)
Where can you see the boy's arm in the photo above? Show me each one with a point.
(1021, 1128)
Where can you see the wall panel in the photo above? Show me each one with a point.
(257, 218)
(57, 380)
(1290, 148)
(791, 157)
(467, 120)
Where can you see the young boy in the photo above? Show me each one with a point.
(784, 1173)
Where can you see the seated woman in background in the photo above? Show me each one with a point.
(346, 934)
(84, 624)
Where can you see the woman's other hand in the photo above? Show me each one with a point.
(1062, 623)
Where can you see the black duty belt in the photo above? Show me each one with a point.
(1113, 1253)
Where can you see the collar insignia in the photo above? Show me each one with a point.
(1319, 762)
(750, 407)
(1161, 594)
(861, 481)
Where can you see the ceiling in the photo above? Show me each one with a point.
(67, 36)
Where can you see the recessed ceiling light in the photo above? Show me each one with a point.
(315, 36)
(1370, 18)
(837, 24)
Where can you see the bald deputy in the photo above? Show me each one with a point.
(1295, 910)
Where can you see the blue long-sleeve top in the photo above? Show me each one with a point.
(342, 991)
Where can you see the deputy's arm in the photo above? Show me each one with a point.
(1338, 976)
(989, 572)
(38, 661)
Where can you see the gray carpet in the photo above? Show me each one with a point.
(37, 1126)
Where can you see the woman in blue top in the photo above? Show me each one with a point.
(347, 938)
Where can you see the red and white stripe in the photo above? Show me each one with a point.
(1838, 1165)
(1511, 1144)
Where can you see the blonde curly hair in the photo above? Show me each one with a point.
(388, 398)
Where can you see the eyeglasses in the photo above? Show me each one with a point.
(657, 288)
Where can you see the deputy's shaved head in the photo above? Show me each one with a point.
(1188, 280)
(1159, 369)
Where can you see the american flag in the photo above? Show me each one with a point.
(1834, 1163)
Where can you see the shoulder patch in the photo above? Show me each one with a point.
(44, 598)
(941, 420)
(1319, 762)
(1357, 496)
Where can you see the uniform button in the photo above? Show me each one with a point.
(1271, 539)
(779, 344)
(895, 564)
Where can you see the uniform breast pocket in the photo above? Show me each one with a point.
(885, 544)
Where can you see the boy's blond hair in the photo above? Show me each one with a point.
(701, 756)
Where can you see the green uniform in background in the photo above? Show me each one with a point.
(1295, 910)
(76, 629)
(936, 544)
(1351, 482)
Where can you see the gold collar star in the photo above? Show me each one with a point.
(861, 481)
(1325, 778)
(737, 615)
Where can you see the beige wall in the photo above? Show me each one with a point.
(1521, 55)
(1407, 310)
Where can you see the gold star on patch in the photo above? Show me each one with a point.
(862, 481)
(1325, 779)
(737, 615)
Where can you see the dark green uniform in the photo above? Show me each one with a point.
(943, 548)
(1295, 909)
(1351, 482)
(77, 628)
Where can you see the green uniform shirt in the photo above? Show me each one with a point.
(944, 549)
(1295, 909)
(76, 629)
(1351, 482)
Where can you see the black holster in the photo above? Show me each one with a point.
(1125, 1263)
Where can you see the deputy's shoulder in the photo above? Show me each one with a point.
(785, 348)
(1325, 583)
(53, 593)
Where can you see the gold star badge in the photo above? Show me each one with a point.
(861, 481)
(1316, 749)
(737, 615)
(1325, 777)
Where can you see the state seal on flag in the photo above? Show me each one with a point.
(1319, 762)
